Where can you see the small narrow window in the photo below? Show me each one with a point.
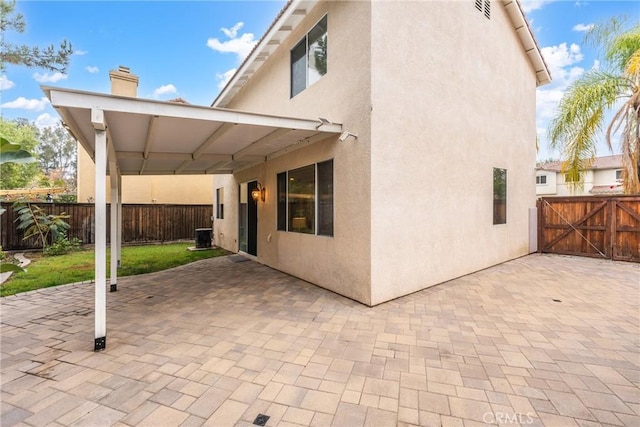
(619, 175)
(542, 179)
(220, 203)
(499, 196)
(282, 201)
(325, 198)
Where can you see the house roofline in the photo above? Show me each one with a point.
(268, 44)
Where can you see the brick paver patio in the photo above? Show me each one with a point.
(542, 340)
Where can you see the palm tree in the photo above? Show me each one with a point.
(580, 114)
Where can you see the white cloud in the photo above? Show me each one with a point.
(5, 83)
(46, 120)
(80, 52)
(563, 61)
(241, 46)
(27, 104)
(49, 78)
(164, 90)
(233, 31)
(596, 65)
(581, 28)
(92, 69)
(223, 78)
(530, 5)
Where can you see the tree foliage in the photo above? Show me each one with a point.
(580, 115)
(16, 175)
(47, 229)
(57, 153)
(50, 58)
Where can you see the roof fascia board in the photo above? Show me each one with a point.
(524, 33)
(264, 42)
(64, 98)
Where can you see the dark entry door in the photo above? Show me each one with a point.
(252, 220)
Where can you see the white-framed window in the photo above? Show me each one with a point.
(619, 175)
(541, 179)
(220, 203)
(305, 199)
(309, 58)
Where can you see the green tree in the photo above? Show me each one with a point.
(22, 132)
(579, 118)
(49, 58)
(57, 152)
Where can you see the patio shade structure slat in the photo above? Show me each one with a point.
(133, 136)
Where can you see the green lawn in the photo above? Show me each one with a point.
(46, 271)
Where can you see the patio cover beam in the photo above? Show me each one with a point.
(77, 99)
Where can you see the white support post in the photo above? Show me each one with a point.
(119, 220)
(100, 341)
(113, 175)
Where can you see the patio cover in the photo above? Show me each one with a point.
(133, 136)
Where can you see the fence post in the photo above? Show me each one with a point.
(540, 205)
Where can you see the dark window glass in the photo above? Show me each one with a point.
(325, 198)
(302, 194)
(542, 179)
(299, 68)
(282, 201)
(220, 203)
(499, 196)
(619, 174)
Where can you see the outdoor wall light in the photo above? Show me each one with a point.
(259, 192)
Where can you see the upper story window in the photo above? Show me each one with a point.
(619, 175)
(309, 58)
(541, 179)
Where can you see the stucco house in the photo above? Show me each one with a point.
(372, 148)
(603, 177)
(439, 94)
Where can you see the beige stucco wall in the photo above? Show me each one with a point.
(453, 96)
(605, 176)
(167, 189)
(340, 263)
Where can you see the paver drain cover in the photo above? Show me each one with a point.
(261, 420)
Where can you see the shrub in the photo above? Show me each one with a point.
(62, 246)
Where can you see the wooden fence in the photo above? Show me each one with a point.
(601, 227)
(140, 223)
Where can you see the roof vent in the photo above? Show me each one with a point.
(484, 6)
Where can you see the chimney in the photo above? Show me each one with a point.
(123, 83)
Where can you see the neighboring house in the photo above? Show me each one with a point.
(143, 189)
(441, 96)
(390, 146)
(604, 177)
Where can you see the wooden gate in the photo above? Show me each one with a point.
(601, 227)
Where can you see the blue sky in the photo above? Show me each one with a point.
(188, 49)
